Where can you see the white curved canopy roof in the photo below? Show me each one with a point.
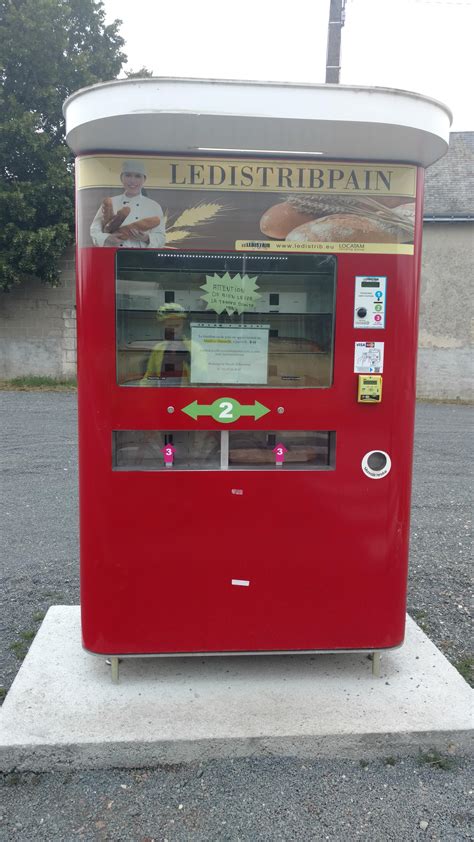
(192, 116)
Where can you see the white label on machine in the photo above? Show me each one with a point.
(368, 357)
(369, 301)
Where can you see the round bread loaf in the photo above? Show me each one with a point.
(282, 218)
(346, 228)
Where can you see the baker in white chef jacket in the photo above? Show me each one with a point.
(133, 177)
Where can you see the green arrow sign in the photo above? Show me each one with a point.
(225, 410)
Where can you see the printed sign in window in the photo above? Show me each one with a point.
(228, 353)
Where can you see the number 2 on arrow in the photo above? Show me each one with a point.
(226, 408)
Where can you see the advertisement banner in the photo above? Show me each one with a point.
(198, 203)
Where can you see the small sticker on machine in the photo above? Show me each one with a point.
(368, 357)
(244, 583)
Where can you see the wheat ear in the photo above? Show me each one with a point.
(196, 215)
(174, 236)
(358, 206)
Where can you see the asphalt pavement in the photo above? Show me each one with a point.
(247, 799)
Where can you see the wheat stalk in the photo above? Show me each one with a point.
(196, 215)
(174, 236)
(360, 206)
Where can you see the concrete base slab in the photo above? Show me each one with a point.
(63, 709)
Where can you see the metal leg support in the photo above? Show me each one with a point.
(376, 664)
(114, 667)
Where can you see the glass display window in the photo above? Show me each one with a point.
(186, 319)
(210, 450)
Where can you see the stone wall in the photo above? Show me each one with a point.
(445, 361)
(38, 327)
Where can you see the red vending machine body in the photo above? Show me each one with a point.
(247, 335)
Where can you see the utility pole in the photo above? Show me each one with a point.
(333, 55)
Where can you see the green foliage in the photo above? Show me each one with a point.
(142, 73)
(48, 49)
(20, 647)
(38, 383)
(466, 667)
(436, 759)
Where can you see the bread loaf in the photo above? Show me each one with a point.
(116, 220)
(142, 225)
(282, 218)
(346, 228)
(107, 210)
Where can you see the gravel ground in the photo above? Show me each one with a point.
(258, 798)
(248, 800)
(440, 578)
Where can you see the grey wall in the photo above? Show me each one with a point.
(38, 327)
(445, 368)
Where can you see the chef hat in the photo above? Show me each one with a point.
(133, 166)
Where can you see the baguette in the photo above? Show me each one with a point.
(107, 209)
(141, 225)
(111, 221)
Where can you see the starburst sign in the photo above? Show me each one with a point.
(233, 295)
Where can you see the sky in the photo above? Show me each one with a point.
(418, 45)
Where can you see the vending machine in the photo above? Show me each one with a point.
(247, 296)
